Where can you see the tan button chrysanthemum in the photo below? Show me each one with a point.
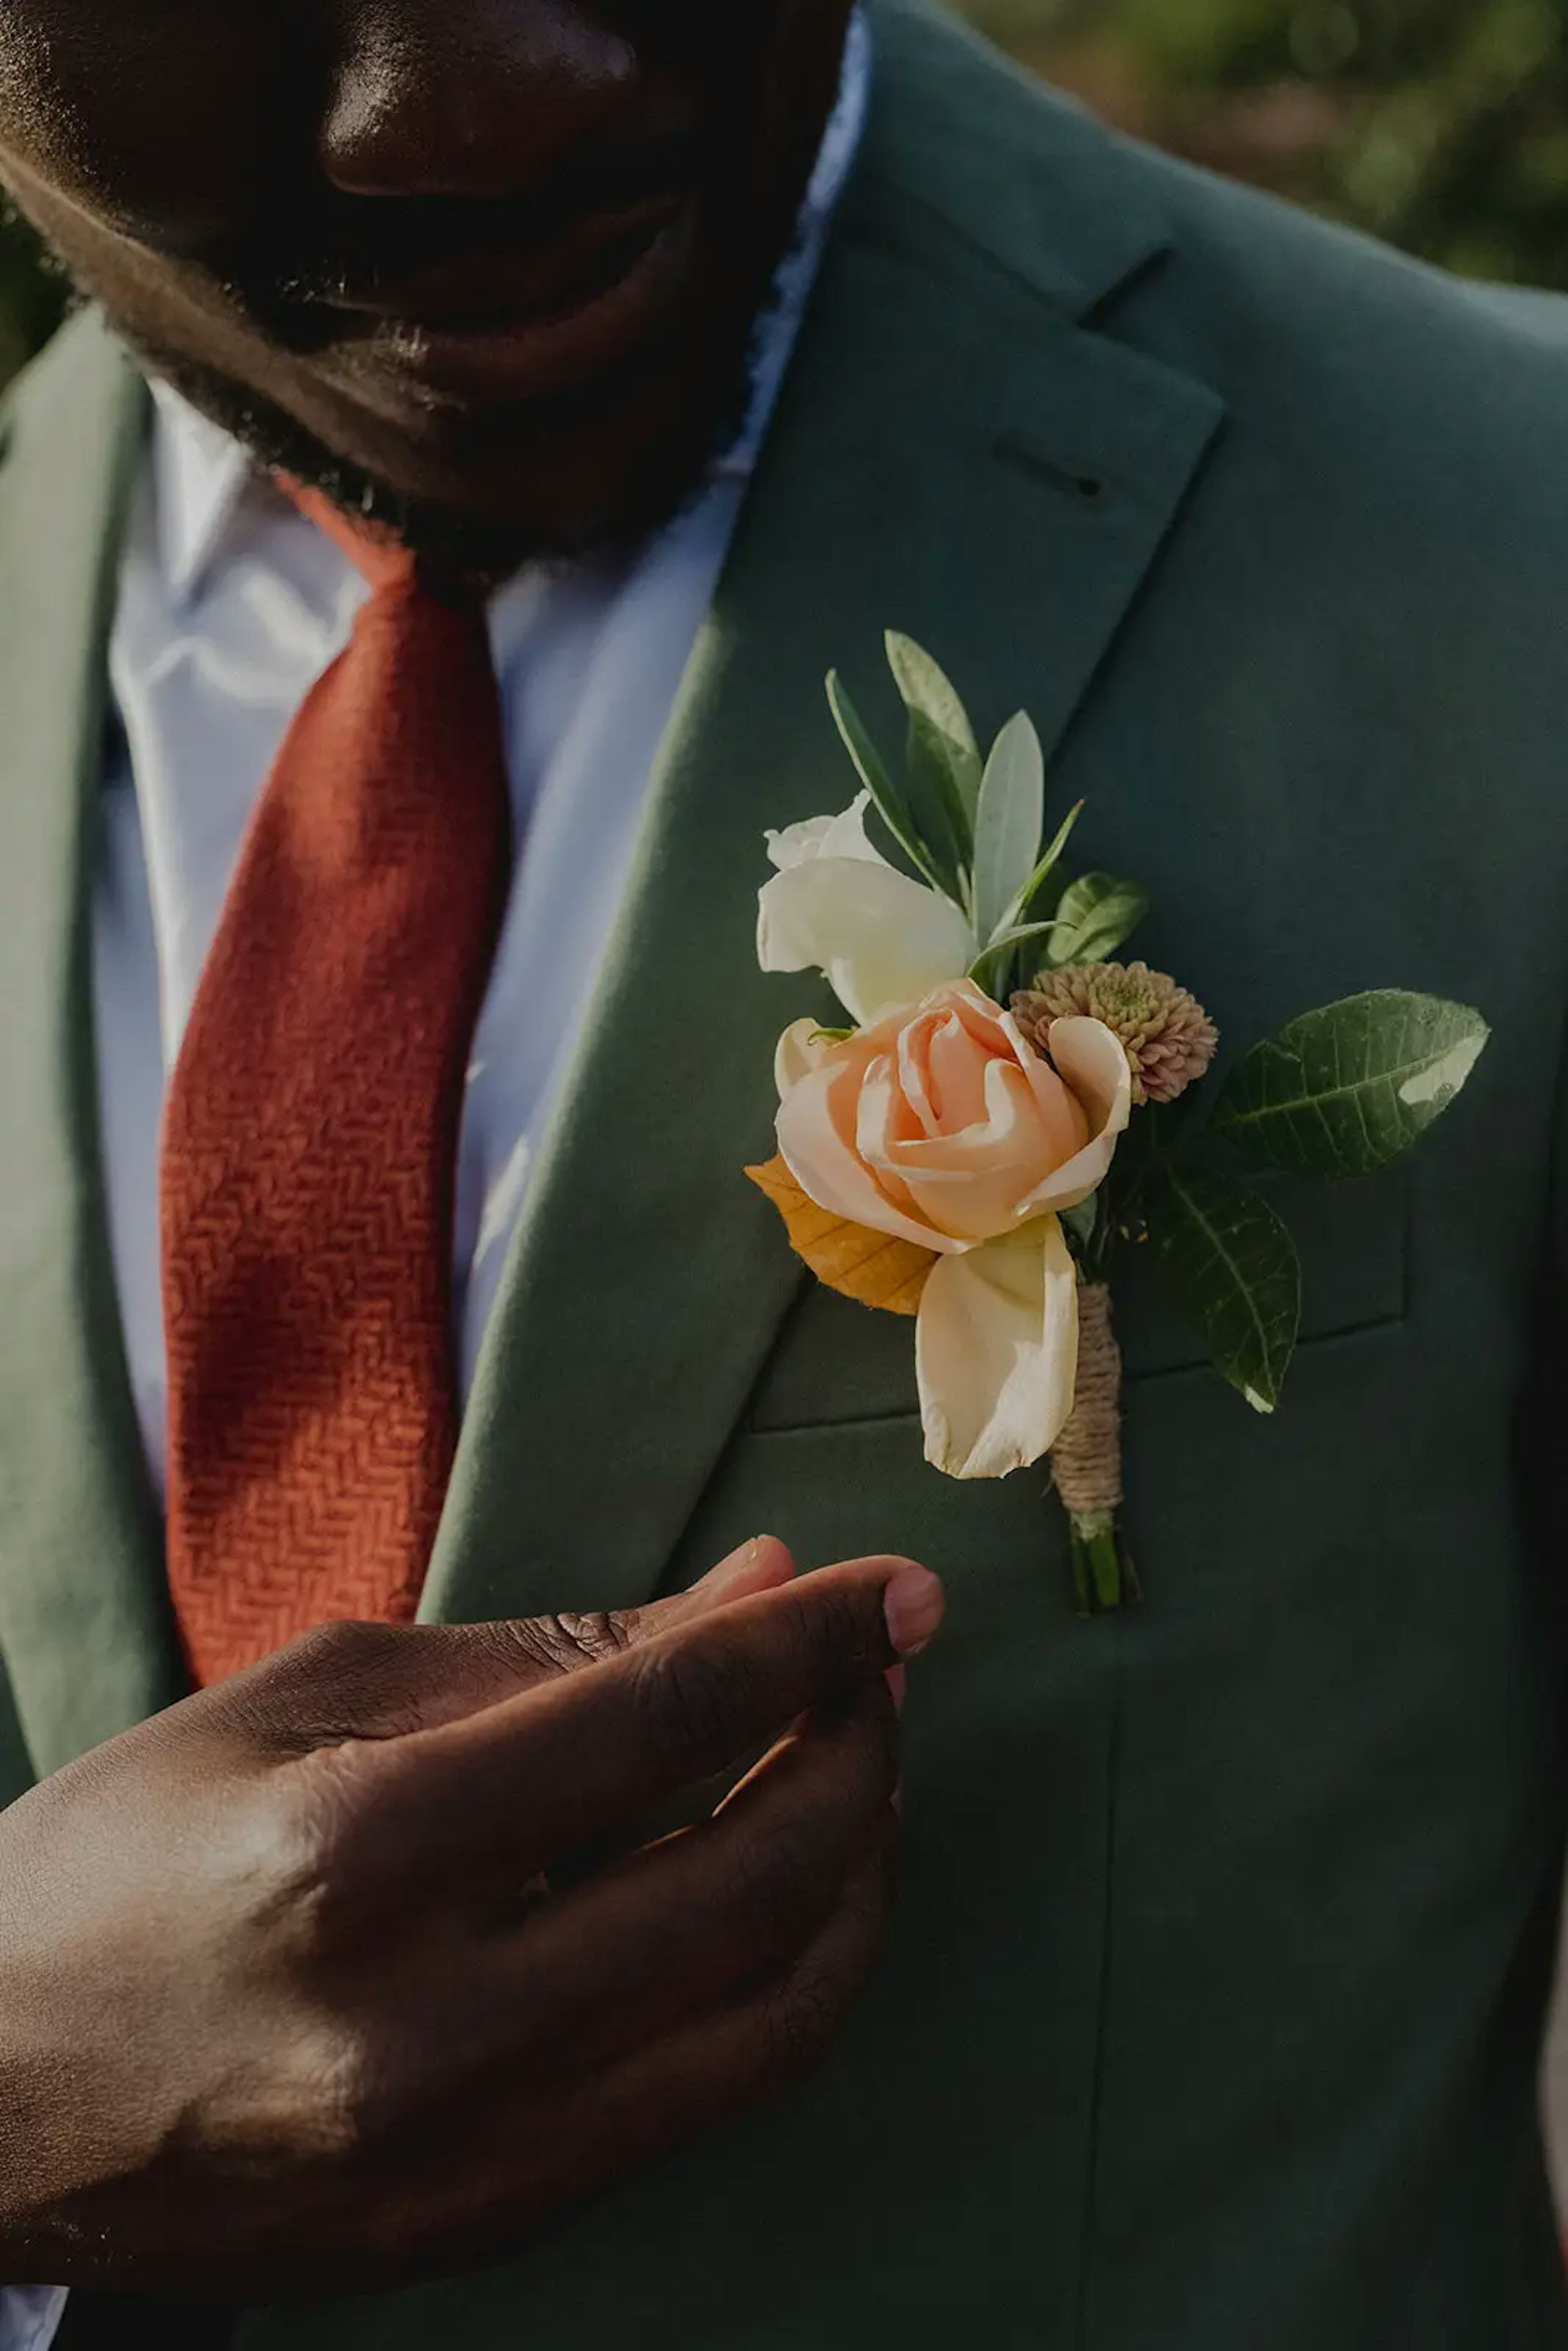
(1168, 1037)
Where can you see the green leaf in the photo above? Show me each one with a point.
(1081, 1220)
(938, 807)
(887, 798)
(1096, 913)
(941, 762)
(939, 718)
(1015, 938)
(992, 968)
(1038, 879)
(1007, 826)
(1231, 1268)
(1344, 1090)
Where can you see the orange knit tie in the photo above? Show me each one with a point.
(310, 1135)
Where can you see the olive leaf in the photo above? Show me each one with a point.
(1029, 895)
(1015, 938)
(887, 798)
(1344, 1090)
(1007, 826)
(1097, 911)
(1231, 1268)
(939, 810)
(992, 969)
(940, 736)
(924, 686)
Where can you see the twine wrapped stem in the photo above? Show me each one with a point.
(1086, 1460)
(1087, 1456)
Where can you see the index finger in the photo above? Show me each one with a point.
(499, 1796)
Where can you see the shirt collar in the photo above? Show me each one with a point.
(201, 473)
(199, 476)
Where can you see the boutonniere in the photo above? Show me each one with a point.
(1008, 1109)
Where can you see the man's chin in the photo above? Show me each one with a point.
(504, 486)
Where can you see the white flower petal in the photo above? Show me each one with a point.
(1091, 1059)
(824, 836)
(796, 844)
(846, 835)
(996, 1352)
(881, 938)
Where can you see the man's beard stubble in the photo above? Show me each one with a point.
(468, 544)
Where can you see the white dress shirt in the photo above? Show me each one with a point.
(231, 605)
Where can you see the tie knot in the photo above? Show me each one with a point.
(370, 547)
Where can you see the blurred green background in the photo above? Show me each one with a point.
(1440, 124)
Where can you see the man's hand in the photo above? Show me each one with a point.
(286, 2003)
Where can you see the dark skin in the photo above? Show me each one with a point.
(288, 2003)
(497, 261)
(368, 1962)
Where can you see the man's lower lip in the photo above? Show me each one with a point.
(526, 358)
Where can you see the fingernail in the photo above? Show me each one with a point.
(759, 1566)
(915, 1602)
(729, 1571)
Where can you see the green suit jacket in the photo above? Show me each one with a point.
(1211, 2016)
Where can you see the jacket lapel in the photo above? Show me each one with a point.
(84, 1626)
(956, 456)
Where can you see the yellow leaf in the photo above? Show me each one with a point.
(875, 1269)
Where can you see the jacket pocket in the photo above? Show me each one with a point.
(836, 1362)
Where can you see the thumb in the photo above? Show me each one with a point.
(570, 1641)
(760, 1565)
(386, 1681)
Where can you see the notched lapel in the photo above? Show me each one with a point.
(84, 1624)
(955, 456)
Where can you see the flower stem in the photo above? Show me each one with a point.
(1086, 1463)
(1103, 1576)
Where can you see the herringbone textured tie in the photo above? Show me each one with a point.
(309, 1138)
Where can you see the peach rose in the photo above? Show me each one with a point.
(940, 1124)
